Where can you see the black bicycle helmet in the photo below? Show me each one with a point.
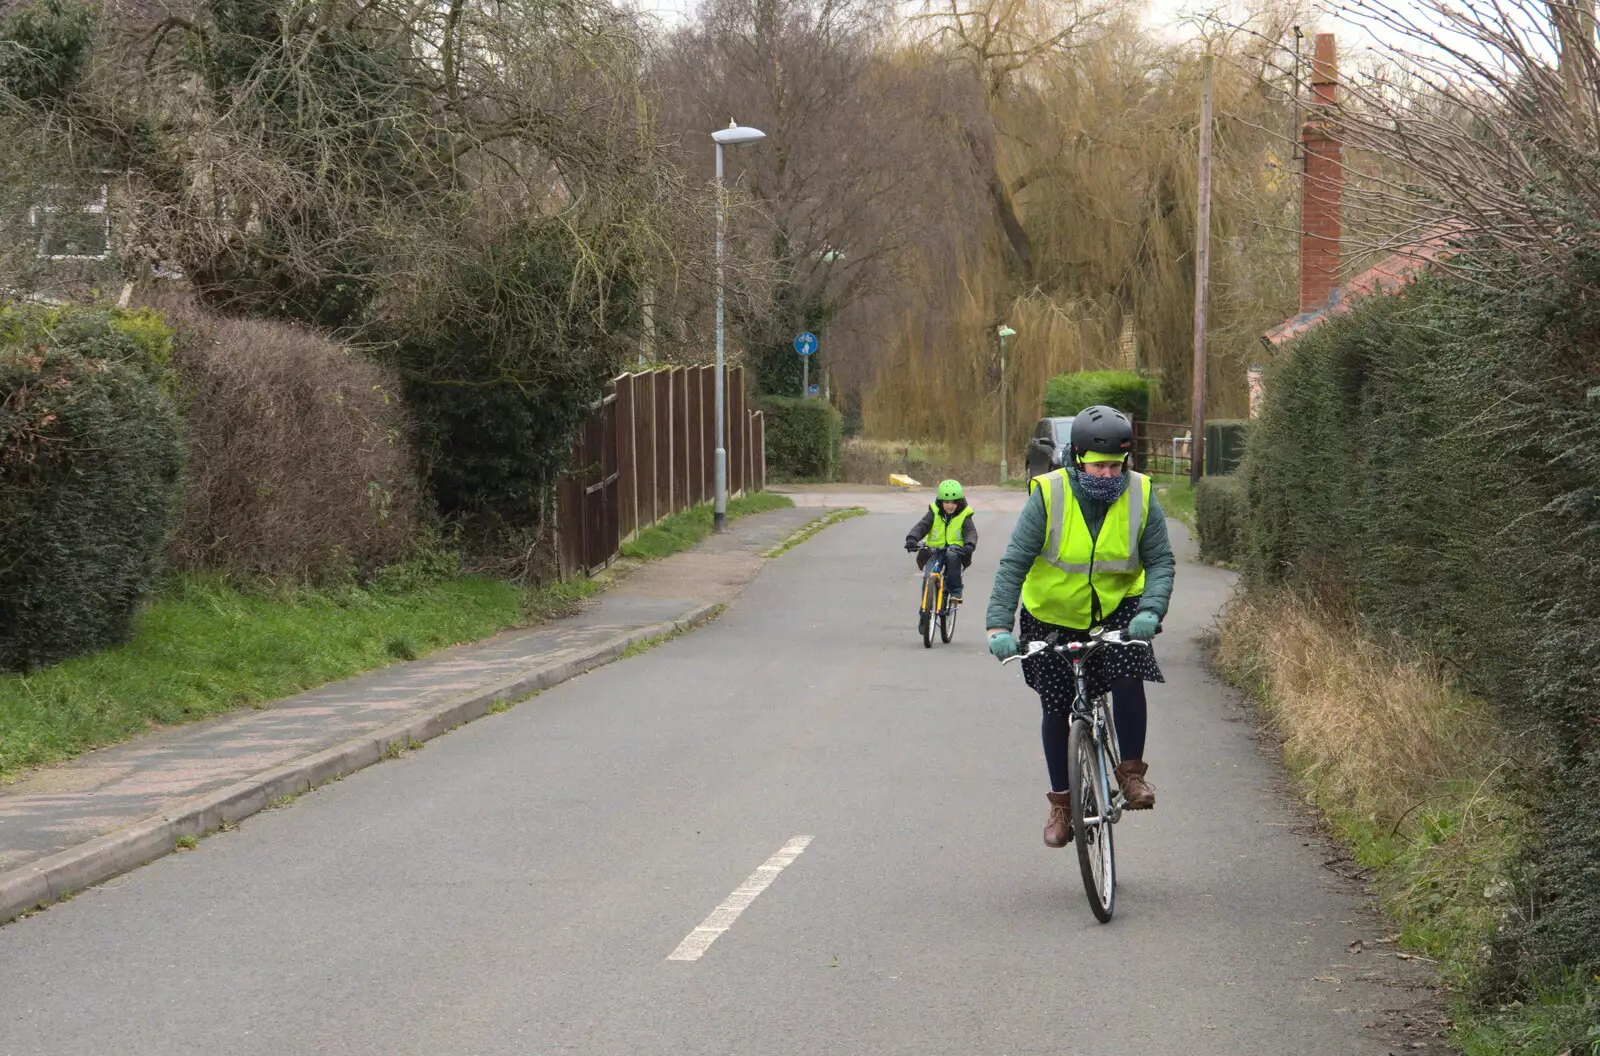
(1103, 429)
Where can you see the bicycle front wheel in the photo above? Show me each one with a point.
(947, 622)
(1091, 821)
(930, 605)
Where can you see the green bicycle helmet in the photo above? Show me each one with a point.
(950, 491)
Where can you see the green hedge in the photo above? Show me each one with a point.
(1067, 394)
(1435, 456)
(802, 438)
(90, 456)
(1220, 516)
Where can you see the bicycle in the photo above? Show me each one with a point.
(1097, 802)
(936, 604)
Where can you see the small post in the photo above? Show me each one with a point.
(805, 377)
(1202, 283)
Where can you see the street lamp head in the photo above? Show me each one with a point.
(1006, 331)
(735, 134)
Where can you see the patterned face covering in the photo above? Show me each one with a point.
(1103, 489)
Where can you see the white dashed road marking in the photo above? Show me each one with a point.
(698, 941)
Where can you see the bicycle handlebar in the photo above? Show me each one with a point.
(1081, 650)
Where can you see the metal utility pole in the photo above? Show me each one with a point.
(1004, 332)
(1202, 284)
(730, 136)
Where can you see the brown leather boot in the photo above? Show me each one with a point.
(1058, 830)
(1135, 789)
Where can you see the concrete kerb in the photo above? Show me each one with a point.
(38, 884)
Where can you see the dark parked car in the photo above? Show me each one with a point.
(1052, 439)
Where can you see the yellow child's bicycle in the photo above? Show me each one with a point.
(938, 607)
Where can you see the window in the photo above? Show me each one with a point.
(70, 229)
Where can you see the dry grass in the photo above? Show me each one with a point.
(1372, 729)
(863, 461)
(1408, 771)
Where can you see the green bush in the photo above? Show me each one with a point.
(90, 457)
(1435, 456)
(802, 438)
(1220, 516)
(501, 371)
(1067, 394)
(44, 48)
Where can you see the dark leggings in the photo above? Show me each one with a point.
(1128, 706)
(953, 565)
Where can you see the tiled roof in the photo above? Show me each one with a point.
(1387, 276)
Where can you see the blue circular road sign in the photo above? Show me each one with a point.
(805, 343)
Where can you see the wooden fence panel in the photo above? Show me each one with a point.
(647, 450)
(627, 458)
(681, 437)
(644, 446)
(663, 444)
(706, 393)
(697, 462)
(737, 436)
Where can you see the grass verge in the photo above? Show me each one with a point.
(1177, 497)
(831, 517)
(206, 647)
(1408, 772)
(682, 530)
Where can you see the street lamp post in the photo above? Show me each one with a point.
(1004, 332)
(733, 135)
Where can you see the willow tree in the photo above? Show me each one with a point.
(1089, 168)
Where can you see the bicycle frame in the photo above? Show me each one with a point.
(1094, 747)
(933, 574)
(1096, 711)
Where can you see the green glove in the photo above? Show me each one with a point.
(1002, 645)
(1144, 626)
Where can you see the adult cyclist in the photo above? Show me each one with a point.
(948, 522)
(1089, 551)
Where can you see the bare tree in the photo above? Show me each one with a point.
(836, 186)
(1482, 126)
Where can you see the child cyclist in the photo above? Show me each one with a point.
(948, 522)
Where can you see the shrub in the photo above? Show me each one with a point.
(502, 369)
(1220, 517)
(802, 438)
(44, 48)
(1437, 454)
(300, 456)
(1067, 394)
(90, 458)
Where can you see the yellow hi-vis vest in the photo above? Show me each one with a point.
(943, 532)
(1075, 570)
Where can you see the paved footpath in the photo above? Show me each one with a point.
(155, 779)
(793, 832)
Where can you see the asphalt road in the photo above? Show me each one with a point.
(519, 886)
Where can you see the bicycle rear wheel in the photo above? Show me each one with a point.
(1091, 824)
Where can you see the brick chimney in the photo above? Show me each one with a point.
(1323, 188)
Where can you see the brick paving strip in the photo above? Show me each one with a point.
(68, 827)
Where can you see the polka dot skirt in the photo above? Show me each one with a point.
(1050, 674)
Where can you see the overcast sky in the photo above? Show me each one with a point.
(1162, 15)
